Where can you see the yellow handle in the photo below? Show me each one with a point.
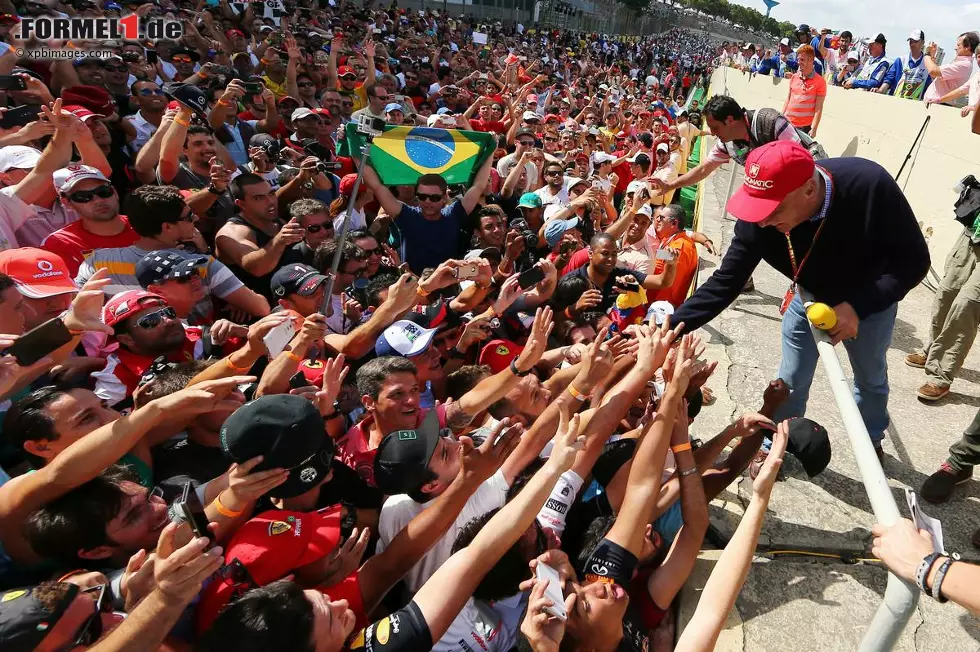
(821, 315)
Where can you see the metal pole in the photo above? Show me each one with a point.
(335, 265)
(900, 597)
(731, 185)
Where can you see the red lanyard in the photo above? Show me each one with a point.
(791, 292)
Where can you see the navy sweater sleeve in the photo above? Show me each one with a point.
(715, 294)
(900, 238)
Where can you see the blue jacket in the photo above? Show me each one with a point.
(872, 73)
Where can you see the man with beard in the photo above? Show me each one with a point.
(314, 216)
(145, 327)
(604, 275)
(144, 123)
(253, 242)
(88, 193)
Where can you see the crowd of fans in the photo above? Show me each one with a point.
(215, 438)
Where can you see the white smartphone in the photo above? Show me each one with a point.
(553, 592)
(277, 339)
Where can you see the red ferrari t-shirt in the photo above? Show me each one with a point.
(489, 126)
(74, 243)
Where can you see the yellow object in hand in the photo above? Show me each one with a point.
(821, 315)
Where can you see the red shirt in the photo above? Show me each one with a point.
(490, 126)
(279, 132)
(74, 243)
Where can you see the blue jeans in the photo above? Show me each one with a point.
(867, 355)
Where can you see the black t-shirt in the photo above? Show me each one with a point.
(608, 296)
(403, 631)
(614, 564)
(298, 253)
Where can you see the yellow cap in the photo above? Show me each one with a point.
(821, 315)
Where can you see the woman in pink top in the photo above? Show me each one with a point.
(954, 74)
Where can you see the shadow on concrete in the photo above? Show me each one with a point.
(758, 298)
(757, 314)
(716, 337)
(969, 375)
(970, 623)
(955, 398)
(904, 337)
(851, 149)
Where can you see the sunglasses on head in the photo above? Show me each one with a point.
(316, 228)
(421, 196)
(151, 91)
(85, 196)
(151, 320)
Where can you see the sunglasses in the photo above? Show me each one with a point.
(151, 91)
(421, 196)
(116, 68)
(316, 228)
(347, 103)
(85, 196)
(152, 320)
(550, 140)
(349, 77)
(184, 280)
(305, 84)
(91, 629)
(181, 59)
(552, 173)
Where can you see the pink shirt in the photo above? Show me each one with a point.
(954, 74)
(972, 86)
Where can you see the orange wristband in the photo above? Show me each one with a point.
(577, 394)
(234, 368)
(224, 511)
(293, 356)
(680, 448)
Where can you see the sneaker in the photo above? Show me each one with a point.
(938, 487)
(932, 392)
(917, 360)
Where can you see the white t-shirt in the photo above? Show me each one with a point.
(398, 511)
(13, 214)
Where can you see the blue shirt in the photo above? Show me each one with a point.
(430, 242)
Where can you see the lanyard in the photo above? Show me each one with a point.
(791, 292)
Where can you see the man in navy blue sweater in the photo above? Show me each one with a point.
(844, 231)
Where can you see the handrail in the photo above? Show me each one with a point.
(900, 597)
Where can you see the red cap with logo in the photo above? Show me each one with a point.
(269, 547)
(37, 273)
(345, 70)
(124, 305)
(497, 354)
(771, 172)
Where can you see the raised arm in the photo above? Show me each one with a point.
(391, 204)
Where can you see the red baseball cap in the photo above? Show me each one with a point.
(771, 172)
(497, 354)
(37, 273)
(345, 70)
(124, 305)
(270, 546)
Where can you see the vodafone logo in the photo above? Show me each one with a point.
(44, 265)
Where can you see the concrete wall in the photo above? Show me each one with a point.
(883, 129)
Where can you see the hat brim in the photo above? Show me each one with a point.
(325, 533)
(45, 290)
(751, 209)
(422, 344)
(307, 475)
(320, 280)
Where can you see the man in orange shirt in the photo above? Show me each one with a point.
(807, 91)
(668, 221)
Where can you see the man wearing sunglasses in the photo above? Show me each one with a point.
(140, 126)
(55, 616)
(431, 229)
(146, 327)
(88, 193)
(314, 216)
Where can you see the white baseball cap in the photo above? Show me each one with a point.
(301, 113)
(66, 178)
(601, 157)
(20, 157)
(530, 115)
(646, 209)
(664, 147)
(404, 338)
(659, 310)
(634, 186)
(916, 35)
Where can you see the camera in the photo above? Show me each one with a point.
(370, 126)
(130, 57)
(530, 237)
(325, 167)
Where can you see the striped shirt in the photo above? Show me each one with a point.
(121, 262)
(803, 94)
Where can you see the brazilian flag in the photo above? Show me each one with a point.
(404, 153)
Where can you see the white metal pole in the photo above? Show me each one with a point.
(900, 597)
(731, 185)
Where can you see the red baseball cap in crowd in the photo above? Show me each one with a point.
(771, 172)
(345, 70)
(497, 354)
(38, 274)
(267, 548)
(124, 305)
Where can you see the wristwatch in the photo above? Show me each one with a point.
(214, 190)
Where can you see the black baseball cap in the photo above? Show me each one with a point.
(167, 264)
(810, 444)
(266, 142)
(296, 279)
(525, 132)
(402, 460)
(187, 95)
(880, 38)
(25, 620)
(289, 433)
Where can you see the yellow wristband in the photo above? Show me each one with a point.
(421, 292)
(182, 123)
(234, 368)
(293, 356)
(576, 394)
(224, 511)
(224, 103)
(680, 448)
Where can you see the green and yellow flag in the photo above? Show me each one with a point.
(402, 154)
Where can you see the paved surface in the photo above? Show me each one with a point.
(810, 603)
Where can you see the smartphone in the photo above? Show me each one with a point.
(467, 270)
(298, 380)
(544, 572)
(530, 278)
(19, 116)
(39, 342)
(222, 70)
(12, 83)
(252, 88)
(192, 510)
(151, 56)
(277, 339)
